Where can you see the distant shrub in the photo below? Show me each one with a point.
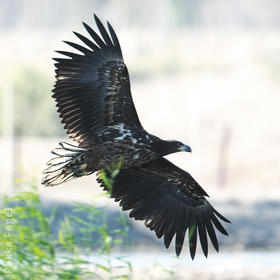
(34, 109)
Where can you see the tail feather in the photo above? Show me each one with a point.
(67, 164)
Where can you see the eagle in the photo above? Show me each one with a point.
(93, 96)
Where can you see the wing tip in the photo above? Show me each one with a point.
(178, 249)
(192, 255)
(96, 18)
(222, 217)
(84, 24)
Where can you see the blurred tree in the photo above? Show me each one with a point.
(35, 113)
(53, 14)
(186, 12)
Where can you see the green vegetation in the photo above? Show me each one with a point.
(31, 250)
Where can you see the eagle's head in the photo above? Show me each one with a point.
(179, 146)
(170, 147)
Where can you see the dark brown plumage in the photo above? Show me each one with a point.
(92, 92)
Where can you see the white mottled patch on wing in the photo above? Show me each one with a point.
(120, 138)
(124, 133)
(136, 156)
(120, 127)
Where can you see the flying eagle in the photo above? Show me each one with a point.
(92, 93)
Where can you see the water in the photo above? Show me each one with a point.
(226, 265)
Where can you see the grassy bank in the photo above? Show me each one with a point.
(32, 250)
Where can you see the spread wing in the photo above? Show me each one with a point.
(92, 89)
(170, 202)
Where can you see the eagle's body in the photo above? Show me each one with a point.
(93, 97)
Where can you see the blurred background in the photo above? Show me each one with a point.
(206, 73)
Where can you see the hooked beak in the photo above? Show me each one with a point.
(185, 148)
